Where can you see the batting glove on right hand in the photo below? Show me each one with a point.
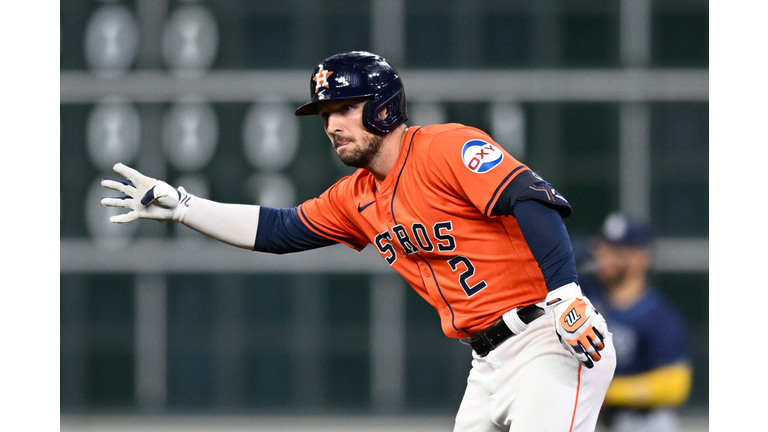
(147, 197)
(580, 328)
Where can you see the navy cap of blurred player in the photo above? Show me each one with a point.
(621, 230)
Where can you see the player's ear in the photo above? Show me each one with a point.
(383, 113)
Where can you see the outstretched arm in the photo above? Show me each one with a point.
(148, 198)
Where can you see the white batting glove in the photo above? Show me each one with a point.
(147, 197)
(579, 326)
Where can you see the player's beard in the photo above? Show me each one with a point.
(614, 276)
(363, 155)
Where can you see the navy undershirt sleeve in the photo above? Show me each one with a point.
(544, 231)
(282, 231)
(530, 186)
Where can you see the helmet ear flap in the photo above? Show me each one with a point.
(397, 108)
(396, 114)
(368, 114)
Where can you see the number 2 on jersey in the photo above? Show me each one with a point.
(466, 274)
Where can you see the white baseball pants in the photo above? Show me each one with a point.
(530, 383)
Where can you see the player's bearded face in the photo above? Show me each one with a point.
(363, 151)
(355, 145)
(611, 265)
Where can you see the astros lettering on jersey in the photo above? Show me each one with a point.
(431, 221)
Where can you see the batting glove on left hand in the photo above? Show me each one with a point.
(580, 328)
(147, 197)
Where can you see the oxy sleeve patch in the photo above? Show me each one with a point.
(480, 156)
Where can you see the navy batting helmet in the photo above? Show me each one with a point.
(359, 74)
(620, 230)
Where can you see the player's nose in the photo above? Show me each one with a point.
(333, 124)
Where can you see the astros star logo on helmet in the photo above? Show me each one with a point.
(321, 78)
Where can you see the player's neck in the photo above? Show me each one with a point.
(383, 163)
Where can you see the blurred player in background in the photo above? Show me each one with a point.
(476, 233)
(653, 373)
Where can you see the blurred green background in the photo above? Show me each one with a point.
(177, 90)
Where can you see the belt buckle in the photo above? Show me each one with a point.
(482, 335)
(474, 336)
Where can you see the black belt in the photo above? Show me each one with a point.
(485, 341)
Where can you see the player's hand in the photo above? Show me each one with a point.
(580, 328)
(148, 198)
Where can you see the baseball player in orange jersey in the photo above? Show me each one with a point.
(475, 232)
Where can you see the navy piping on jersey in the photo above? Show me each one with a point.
(488, 208)
(392, 210)
(337, 238)
(394, 190)
(434, 277)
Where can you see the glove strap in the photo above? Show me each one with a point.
(185, 201)
(565, 292)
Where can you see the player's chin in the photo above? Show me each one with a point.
(345, 151)
(352, 158)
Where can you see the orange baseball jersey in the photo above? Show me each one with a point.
(431, 221)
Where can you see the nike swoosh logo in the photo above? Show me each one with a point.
(361, 208)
